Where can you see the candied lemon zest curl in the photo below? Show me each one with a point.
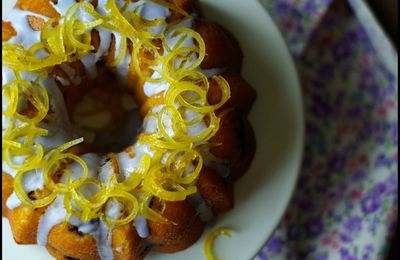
(208, 245)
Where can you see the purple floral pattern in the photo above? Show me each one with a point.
(345, 206)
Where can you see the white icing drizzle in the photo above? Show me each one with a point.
(100, 7)
(212, 72)
(72, 73)
(84, 227)
(88, 227)
(201, 206)
(7, 75)
(150, 124)
(26, 36)
(103, 238)
(62, 6)
(151, 88)
(15, 160)
(153, 11)
(221, 169)
(105, 40)
(141, 226)
(143, 148)
(33, 180)
(128, 164)
(89, 62)
(118, 40)
(172, 41)
(114, 209)
(123, 68)
(92, 162)
(197, 129)
(100, 232)
(55, 137)
(106, 172)
(5, 122)
(13, 201)
(54, 215)
(65, 82)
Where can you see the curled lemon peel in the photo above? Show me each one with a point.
(208, 245)
(171, 173)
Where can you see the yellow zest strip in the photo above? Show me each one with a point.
(133, 207)
(147, 212)
(208, 245)
(172, 172)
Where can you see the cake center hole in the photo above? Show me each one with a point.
(106, 112)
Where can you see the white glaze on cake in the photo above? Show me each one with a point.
(26, 36)
(141, 227)
(55, 214)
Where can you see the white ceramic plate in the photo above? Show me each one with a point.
(277, 117)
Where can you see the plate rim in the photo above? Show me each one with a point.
(296, 74)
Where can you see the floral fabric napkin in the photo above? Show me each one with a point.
(346, 202)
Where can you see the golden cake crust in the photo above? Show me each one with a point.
(185, 230)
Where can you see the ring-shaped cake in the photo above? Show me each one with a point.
(195, 140)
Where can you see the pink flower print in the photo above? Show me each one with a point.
(392, 216)
(335, 232)
(382, 112)
(335, 245)
(395, 155)
(364, 159)
(326, 241)
(328, 205)
(355, 194)
(390, 103)
(353, 165)
(327, 41)
(365, 61)
(289, 25)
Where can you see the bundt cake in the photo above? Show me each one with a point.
(155, 69)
